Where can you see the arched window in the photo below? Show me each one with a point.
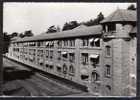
(71, 69)
(65, 69)
(108, 50)
(95, 77)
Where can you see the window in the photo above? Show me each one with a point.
(84, 74)
(51, 44)
(41, 63)
(94, 42)
(65, 55)
(32, 55)
(40, 53)
(32, 44)
(59, 55)
(64, 69)
(47, 65)
(94, 59)
(71, 57)
(65, 42)
(58, 69)
(59, 43)
(97, 42)
(51, 66)
(111, 27)
(71, 70)
(91, 40)
(84, 58)
(72, 43)
(95, 77)
(47, 44)
(108, 50)
(40, 43)
(85, 42)
(51, 54)
(84, 77)
(107, 70)
(47, 53)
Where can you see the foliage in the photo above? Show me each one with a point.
(70, 25)
(14, 34)
(53, 29)
(96, 21)
(21, 35)
(131, 7)
(6, 42)
(28, 33)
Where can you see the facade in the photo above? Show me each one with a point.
(101, 57)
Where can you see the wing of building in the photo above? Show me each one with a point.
(101, 58)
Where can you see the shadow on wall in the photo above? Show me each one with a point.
(10, 74)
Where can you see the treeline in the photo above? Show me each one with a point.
(8, 37)
(73, 24)
(52, 29)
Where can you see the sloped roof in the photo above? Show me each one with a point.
(121, 15)
(80, 27)
(84, 31)
(15, 38)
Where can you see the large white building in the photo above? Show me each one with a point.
(101, 58)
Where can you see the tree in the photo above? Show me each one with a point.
(28, 33)
(131, 7)
(21, 35)
(70, 25)
(6, 42)
(14, 34)
(53, 29)
(100, 17)
(96, 21)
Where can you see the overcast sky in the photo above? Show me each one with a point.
(18, 17)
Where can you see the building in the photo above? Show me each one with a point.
(101, 57)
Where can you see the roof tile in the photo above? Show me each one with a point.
(121, 15)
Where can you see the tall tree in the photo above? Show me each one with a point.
(131, 7)
(100, 17)
(96, 21)
(28, 33)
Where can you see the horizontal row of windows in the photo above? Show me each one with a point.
(93, 42)
(65, 56)
(65, 69)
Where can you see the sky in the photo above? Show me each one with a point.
(19, 17)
